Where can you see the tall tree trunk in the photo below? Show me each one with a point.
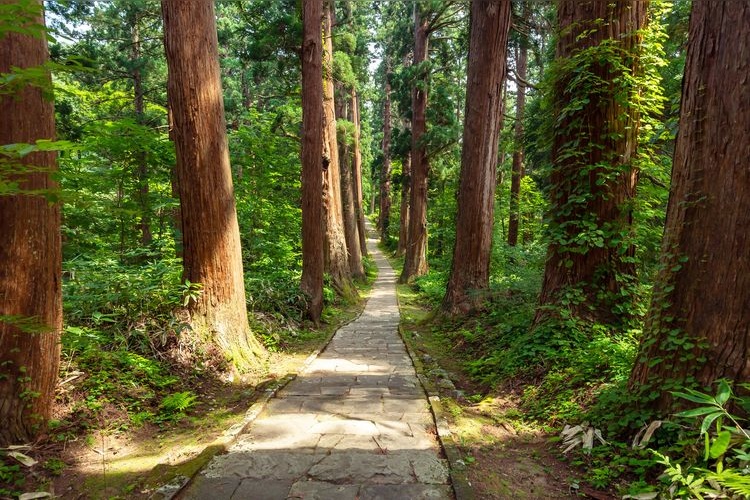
(357, 174)
(403, 228)
(415, 262)
(144, 224)
(346, 161)
(698, 326)
(470, 272)
(593, 181)
(337, 262)
(30, 253)
(385, 172)
(516, 175)
(211, 237)
(312, 154)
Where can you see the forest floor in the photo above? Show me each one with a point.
(113, 458)
(502, 455)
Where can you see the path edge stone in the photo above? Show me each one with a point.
(177, 485)
(456, 467)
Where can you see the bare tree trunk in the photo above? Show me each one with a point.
(385, 172)
(470, 272)
(518, 147)
(337, 261)
(403, 228)
(593, 181)
(346, 160)
(415, 262)
(312, 154)
(144, 224)
(698, 327)
(30, 253)
(211, 237)
(357, 174)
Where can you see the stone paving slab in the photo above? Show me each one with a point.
(356, 424)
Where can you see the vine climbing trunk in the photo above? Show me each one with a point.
(336, 259)
(415, 261)
(590, 259)
(470, 271)
(30, 248)
(698, 326)
(312, 154)
(211, 237)
(517, 172)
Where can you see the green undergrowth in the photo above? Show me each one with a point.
(130, 376)
(568, 372)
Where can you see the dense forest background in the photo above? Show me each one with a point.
(573, 213)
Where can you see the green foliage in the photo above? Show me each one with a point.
(174, 405)
(722, 468)
(22, 16)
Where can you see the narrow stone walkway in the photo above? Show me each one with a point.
(355, 425)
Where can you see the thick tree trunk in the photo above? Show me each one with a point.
(211, 237)
(403, 228)
(312, 154)
(336, 259)
(415, 262)
(593, 181)
(470, 272)
(30, 254)
(517, 168)
(384, 221)
(698, 327)
(357, 174)
(346, 161)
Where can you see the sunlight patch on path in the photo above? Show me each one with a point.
(355, 425)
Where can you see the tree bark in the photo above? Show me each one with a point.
(336, 259)
(312, 154)
(144, 224)
(593, 181)
(384, 221)
(470, 272)
(30, 252)
(211, 238)
(518, 147)
(357, 174)
(346, 161)
(415, 262)
(403, 228)
(698, 326)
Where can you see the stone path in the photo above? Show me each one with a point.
(355, 425)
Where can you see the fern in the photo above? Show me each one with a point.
(732, 480)
(178, 402)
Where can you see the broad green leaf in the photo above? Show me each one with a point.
(722, 396)
(720, 444)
